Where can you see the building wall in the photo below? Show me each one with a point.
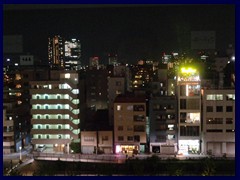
(163, 122)
(129, 125)
(116, 86)
(89, 142)
(96, 88)
(219, 121)
(8, 133)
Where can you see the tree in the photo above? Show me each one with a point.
(75, 147)
(209, 167)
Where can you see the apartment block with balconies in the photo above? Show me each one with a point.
(55, 112)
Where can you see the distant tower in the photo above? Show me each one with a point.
(64, 54)
(112, 59)
(94, 61)
(56, 52)
(72, 54)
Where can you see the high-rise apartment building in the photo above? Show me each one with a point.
(189, 110)
(55, 112)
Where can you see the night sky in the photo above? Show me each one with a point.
(133, 32)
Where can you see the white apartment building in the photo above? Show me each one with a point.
(55, 112)
(189, 110)
(219, 122)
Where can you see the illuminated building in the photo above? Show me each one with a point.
(56, 111)
(94, 61)
(219, 122)
(112, 59)
(56, 52)
(189, 110)
(8, 130)
(64, 54)
(72, 54)
(130, 124)
(142, 75)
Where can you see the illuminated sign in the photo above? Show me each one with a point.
(188, 70)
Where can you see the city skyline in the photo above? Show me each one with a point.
(133, 32)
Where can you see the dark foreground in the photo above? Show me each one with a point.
(152, 166)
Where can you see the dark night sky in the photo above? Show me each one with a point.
(133, 32)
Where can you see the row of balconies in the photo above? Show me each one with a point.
(54, 111)
(54, 121)
(53, 131)
(54, 101)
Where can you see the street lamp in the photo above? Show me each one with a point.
(20, 158)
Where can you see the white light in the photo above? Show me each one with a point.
(233, 58)
(8, 59)
(16, 64)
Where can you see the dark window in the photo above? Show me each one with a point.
(118, 83)
(230, 130)
(214, 130)
(139, 128)
(215, 121)
(120, 128)
(183, 117)
(229, 109)
(219, 109)
(209, 108)
(189, 131)
(229, 120)
(183, 104)
(137, 138)
(120, 138)
(130, 138)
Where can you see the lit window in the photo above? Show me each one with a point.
(119, 107)
(67, 76)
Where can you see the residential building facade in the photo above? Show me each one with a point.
(219, 122)
(130, 124)
(55, 112)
